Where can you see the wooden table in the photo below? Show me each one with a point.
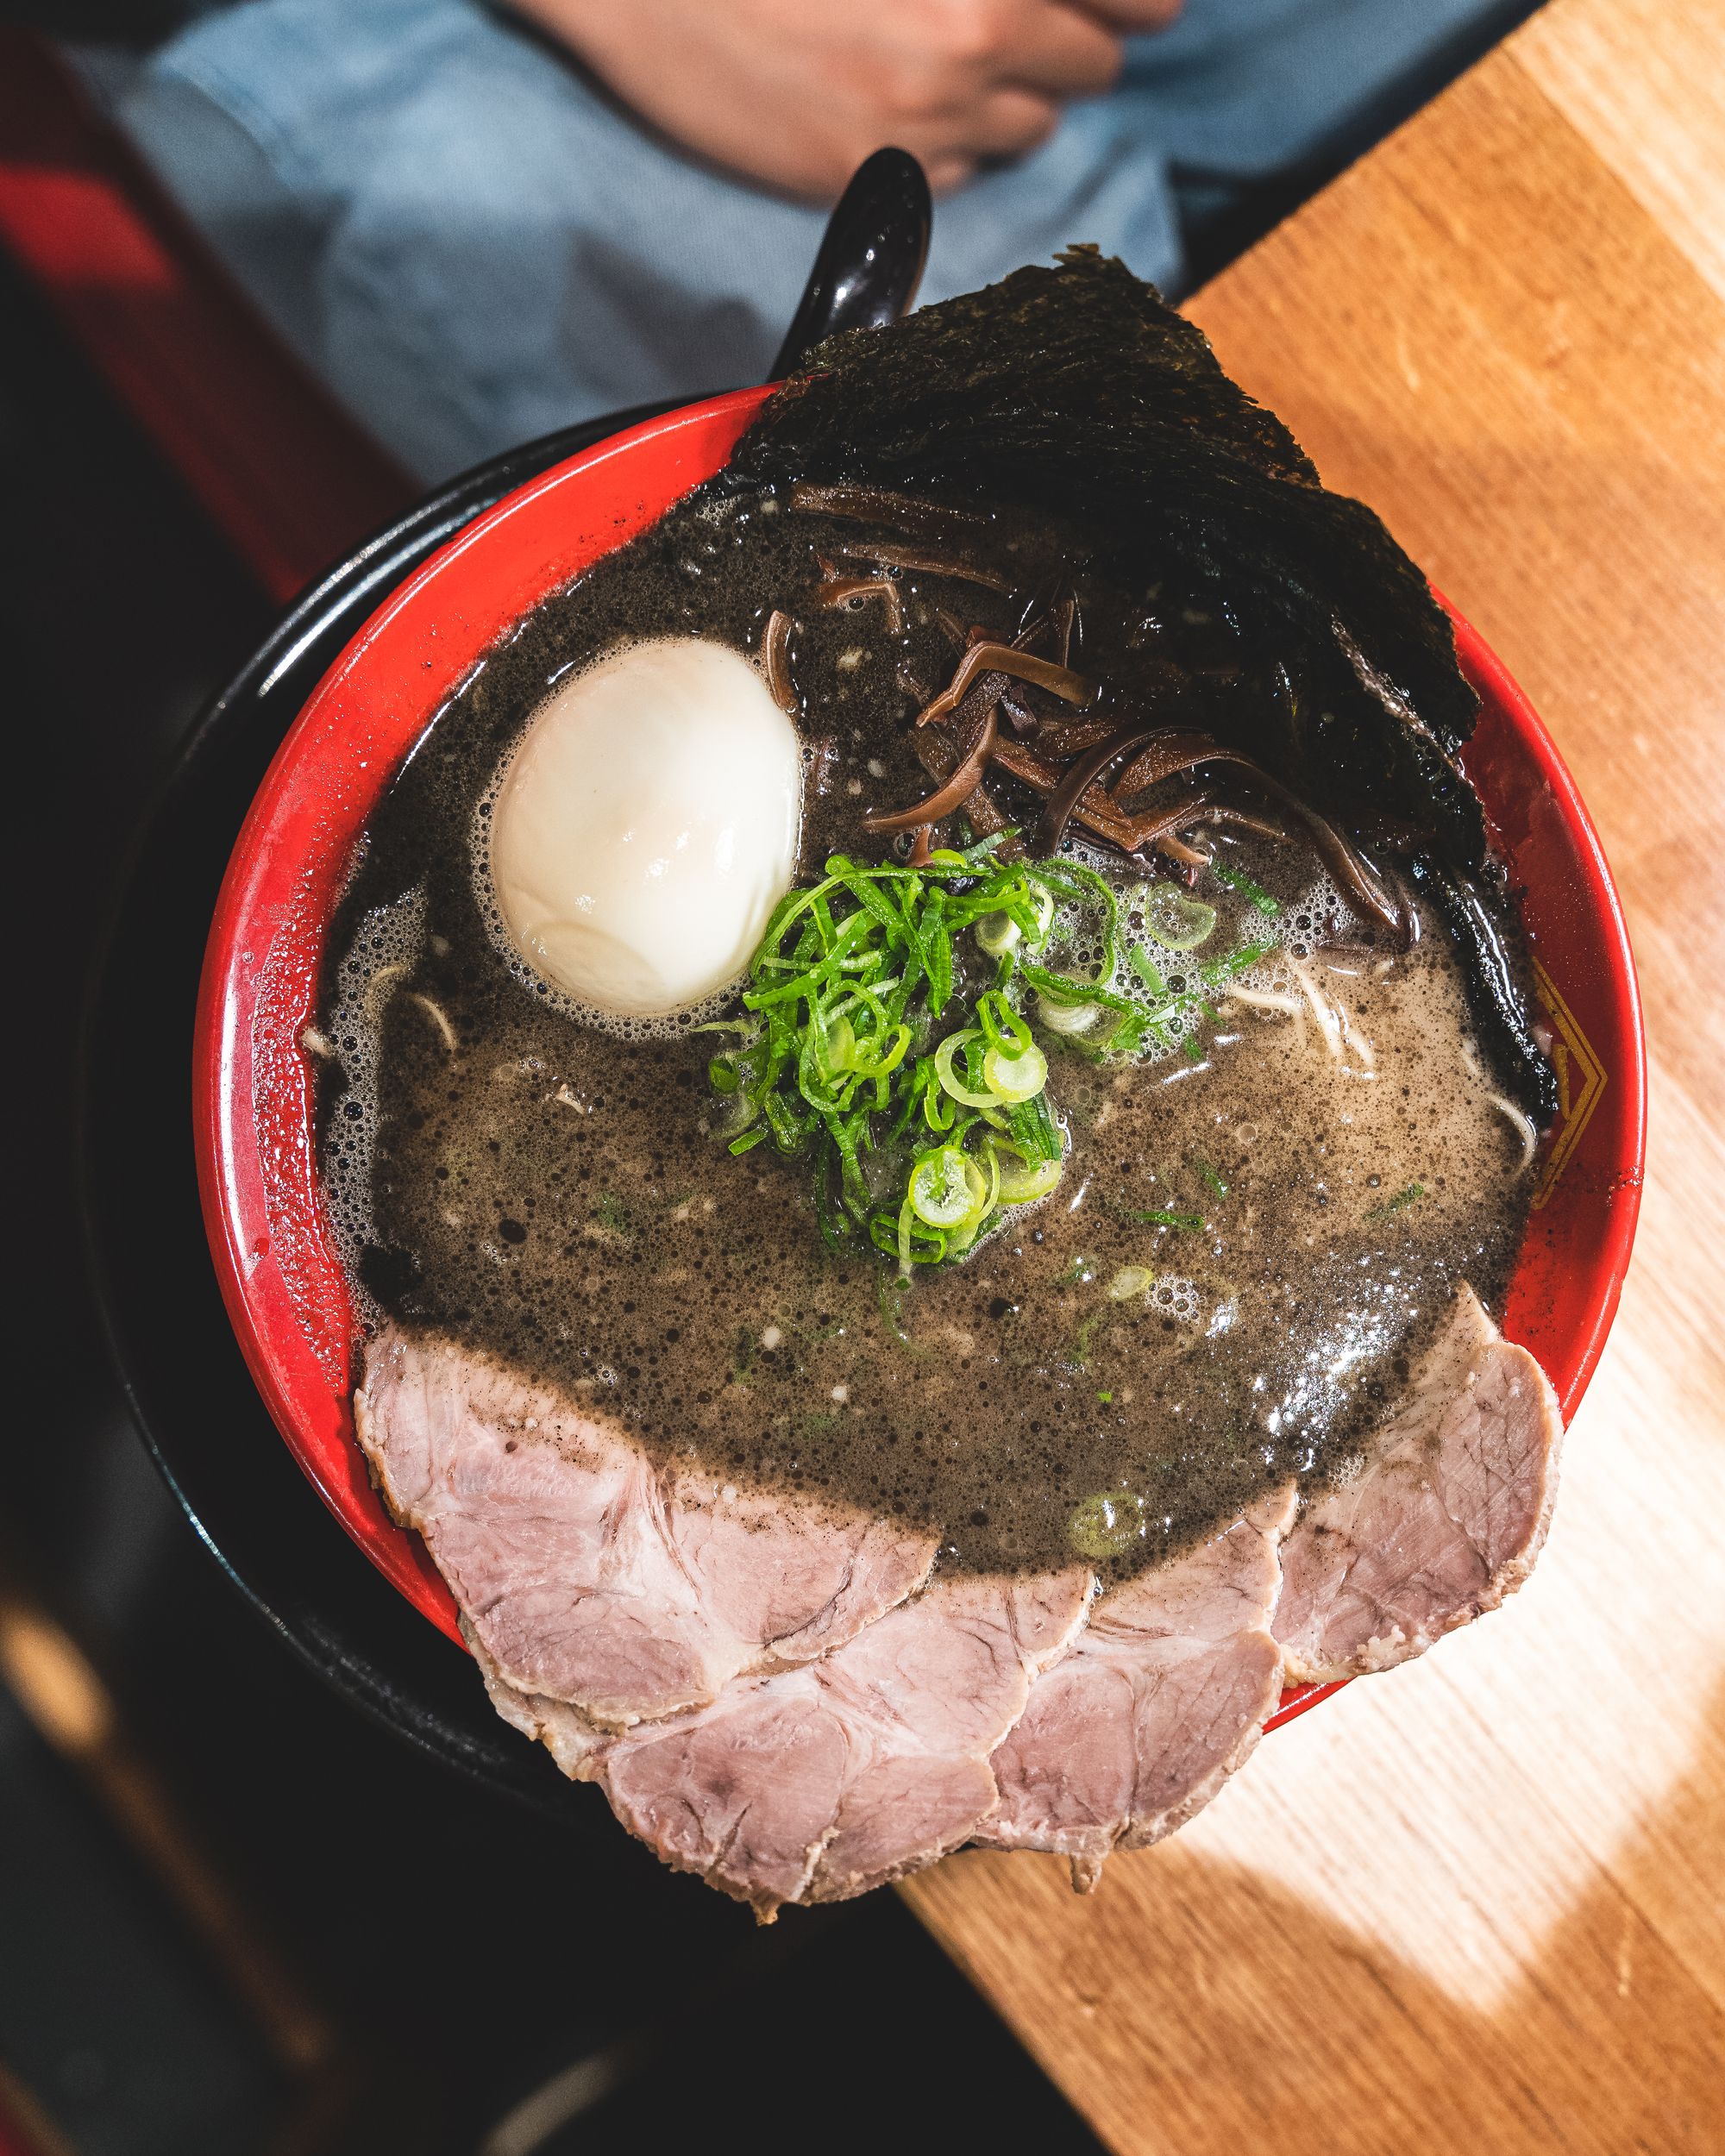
(1478, 1905)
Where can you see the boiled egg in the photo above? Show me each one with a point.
(647, 826)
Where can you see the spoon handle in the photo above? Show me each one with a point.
(870, 260)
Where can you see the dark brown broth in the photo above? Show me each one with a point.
(548, 1194)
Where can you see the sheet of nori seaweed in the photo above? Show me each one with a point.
(1076, 388)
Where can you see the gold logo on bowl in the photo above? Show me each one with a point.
(1581, 1080)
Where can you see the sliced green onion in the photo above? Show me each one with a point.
(906, 1227)
(1176, 922)
(1035, 1132)
(1399, 1203)
(938, 939)
(939, 1110)
(999, 933)
(1237, 961)
(1022, 1181)
(1001, 1025)
(1019, 1077)
(941, 1191)
(985, 1196)
(789, 1134)
(1106, 1525)
(1259, 897)
(916, 1243)
(1145, 967)
(1068, 988)
(1067, 1017)
(950, 1083)
(831, 1065)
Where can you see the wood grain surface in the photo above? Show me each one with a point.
(1479, 1904)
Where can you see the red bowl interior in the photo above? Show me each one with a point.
(273, 1250)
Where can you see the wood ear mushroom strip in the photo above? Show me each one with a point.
(1020, 665)
(1094, 810)
(834, 590)
(953, 795)
(776, 659)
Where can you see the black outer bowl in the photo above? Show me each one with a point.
(180, 1365)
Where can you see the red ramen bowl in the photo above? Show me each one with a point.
(274, 1246)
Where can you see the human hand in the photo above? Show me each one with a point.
(794, 94)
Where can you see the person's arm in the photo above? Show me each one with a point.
(795, 93)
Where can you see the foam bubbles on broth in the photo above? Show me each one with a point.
(378, 962)
(551, 1195)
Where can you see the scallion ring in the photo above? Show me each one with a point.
(1067, 1017)
(1022, 1181)
(985, 1196)
(1176, 922)
(999, 933)
(1015, 1077)
(941, 1193)
(949, 1082)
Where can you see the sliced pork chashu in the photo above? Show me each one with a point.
(1161, 1699)
(767, 1698)
(589, 1574)
(822, 1781)
(1444, 1519)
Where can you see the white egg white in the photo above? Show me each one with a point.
(647, 826)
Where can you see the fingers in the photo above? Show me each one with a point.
(947, 173)
(999, 71)
(1061, 51)
(1001, 123)
(1124, 16)
(791, 93)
